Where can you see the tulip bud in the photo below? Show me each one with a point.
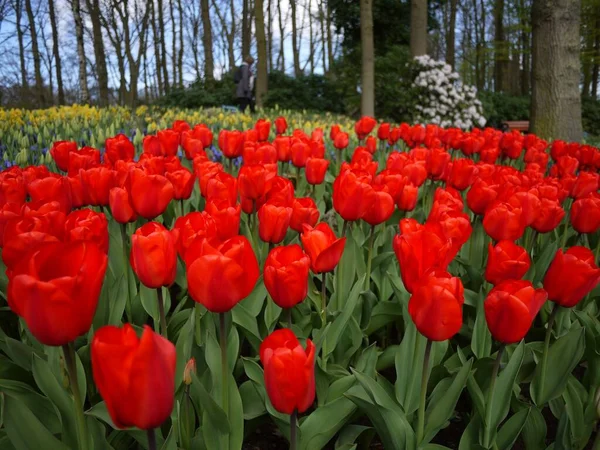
(190, 368)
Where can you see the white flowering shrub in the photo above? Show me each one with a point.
(443, 99)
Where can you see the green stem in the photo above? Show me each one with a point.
(161, 312)
(546, 346)
(324, 313)
(416, 352)
(289, 317)
(71, 364)
(565, 232)
(182, 207)
(126, 270)
(151, 439)
(224, 369)
(293, 429)
(424, 380)
(370, 258)
(487, 436)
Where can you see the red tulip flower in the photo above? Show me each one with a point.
(420, 249)
(304, 211)
(231, 143)
(23, 234)
(192, 226)
(549, 216)
(364, 126)
(503, 221)
(571, 276)
(55, 289)
(51, 189)
(587, 182)
(506, 261)
(283, 146)
(226, 217)
(273, 222)
(481, 195)
(221, 276)
(85, 158)
(462, 173)
(254, 181)
(149, 194)
(183, 183)
(352, 195)
(118, 148)
(60, 153)
(120, 206)
(281, 192)
(133, 373)
(12, 188)
(280, 125)
(585, 214)
(282, 355)
(322, 246)
(286, 275)
(335, 129)
(97, 183)
(263, 128)
(169, 142)
(510, 309)
(300, 152)
(381, 208)
(154, 255)
(435, 306)
(383, 132)
(87, 225)
(407, 198)
(316, 169)
(341, 140)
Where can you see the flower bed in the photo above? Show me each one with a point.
(427, 288)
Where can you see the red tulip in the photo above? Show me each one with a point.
(506, 261)
(23, 234)
(281, 355)
(383, 132)
(352, 195)
(587, 182)
(192, 226)
(255, 181)
(133, 373)
(231, 143)
(420, 249)
(60, 153)
(87, 225)
(381, 208)
(51, 189)
(118, 148)
(12, 189)
(585, 214)
(530, 204)
(281, 192)
(341, 140)
(204, 134)
(151, 145)
(8, 211)
(221, 186)
(335, 129)
(221, 276)
(180, 126)
(55, 289)
(407, 198)
(263, 128)
(481, 195)
(97, 183)
(273, 222)
(280, 125)
(322, 246)
(286, 275)
(120, 207)
(226, 217)
(300, 152)
(510, 309)
(149, 194)
(304, 211)
(549, 216)
(571, 276)
(153, 255)
(371, 144)
(503, 221)
(462, 173)
(315, 170)
(169, 142)
(183, 183)
(436, 306)
(85, 158)
(283, 146)
(364, 126)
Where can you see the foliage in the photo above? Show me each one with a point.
(499, 107)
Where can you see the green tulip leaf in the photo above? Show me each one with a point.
(24, 429)
(324, 423)
(253, 403)
(470, 437)
(440, 411)
(563, 357)
(481, 342)
(534, 430)
(509, 432)
(41, 407)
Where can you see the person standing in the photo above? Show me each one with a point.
(244, 79)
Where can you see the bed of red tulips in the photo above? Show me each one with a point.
(430, 288)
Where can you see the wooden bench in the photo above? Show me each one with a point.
(518, 125)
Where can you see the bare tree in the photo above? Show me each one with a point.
(270, 34)
(174, 42)
(56, 53)
(500, 48)
(35, 51)
(281, 57)
(18, 6)
(83, 86)
(295, 49)
(418, 27)
(367, 100)
(261, 45)
(180, 56)
(245, 28)
(209, 65)
(163, 48)
(157, 54)
(99, 53)
(228, 31)
(450, 40)
(323, 35)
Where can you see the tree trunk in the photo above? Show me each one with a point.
(596, 65)
(231, 38)
(180, 59)
(297, 71)
(245, 30)
(173, 42)
(556, 100)
(19, 15)
(261, 47)
(418, 27)
(329, 38)
(270, 34)
(56, 52)
(163, 46)
(367, 99)
(311, 56)
(281, 58)
(323, 36)
(451, 37)
(209, 66)
(156, 35)
(99, 53)
(500, 56)
(83, 86)
(526, 51)
(35, 51)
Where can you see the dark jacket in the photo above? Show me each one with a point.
(243, 89)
